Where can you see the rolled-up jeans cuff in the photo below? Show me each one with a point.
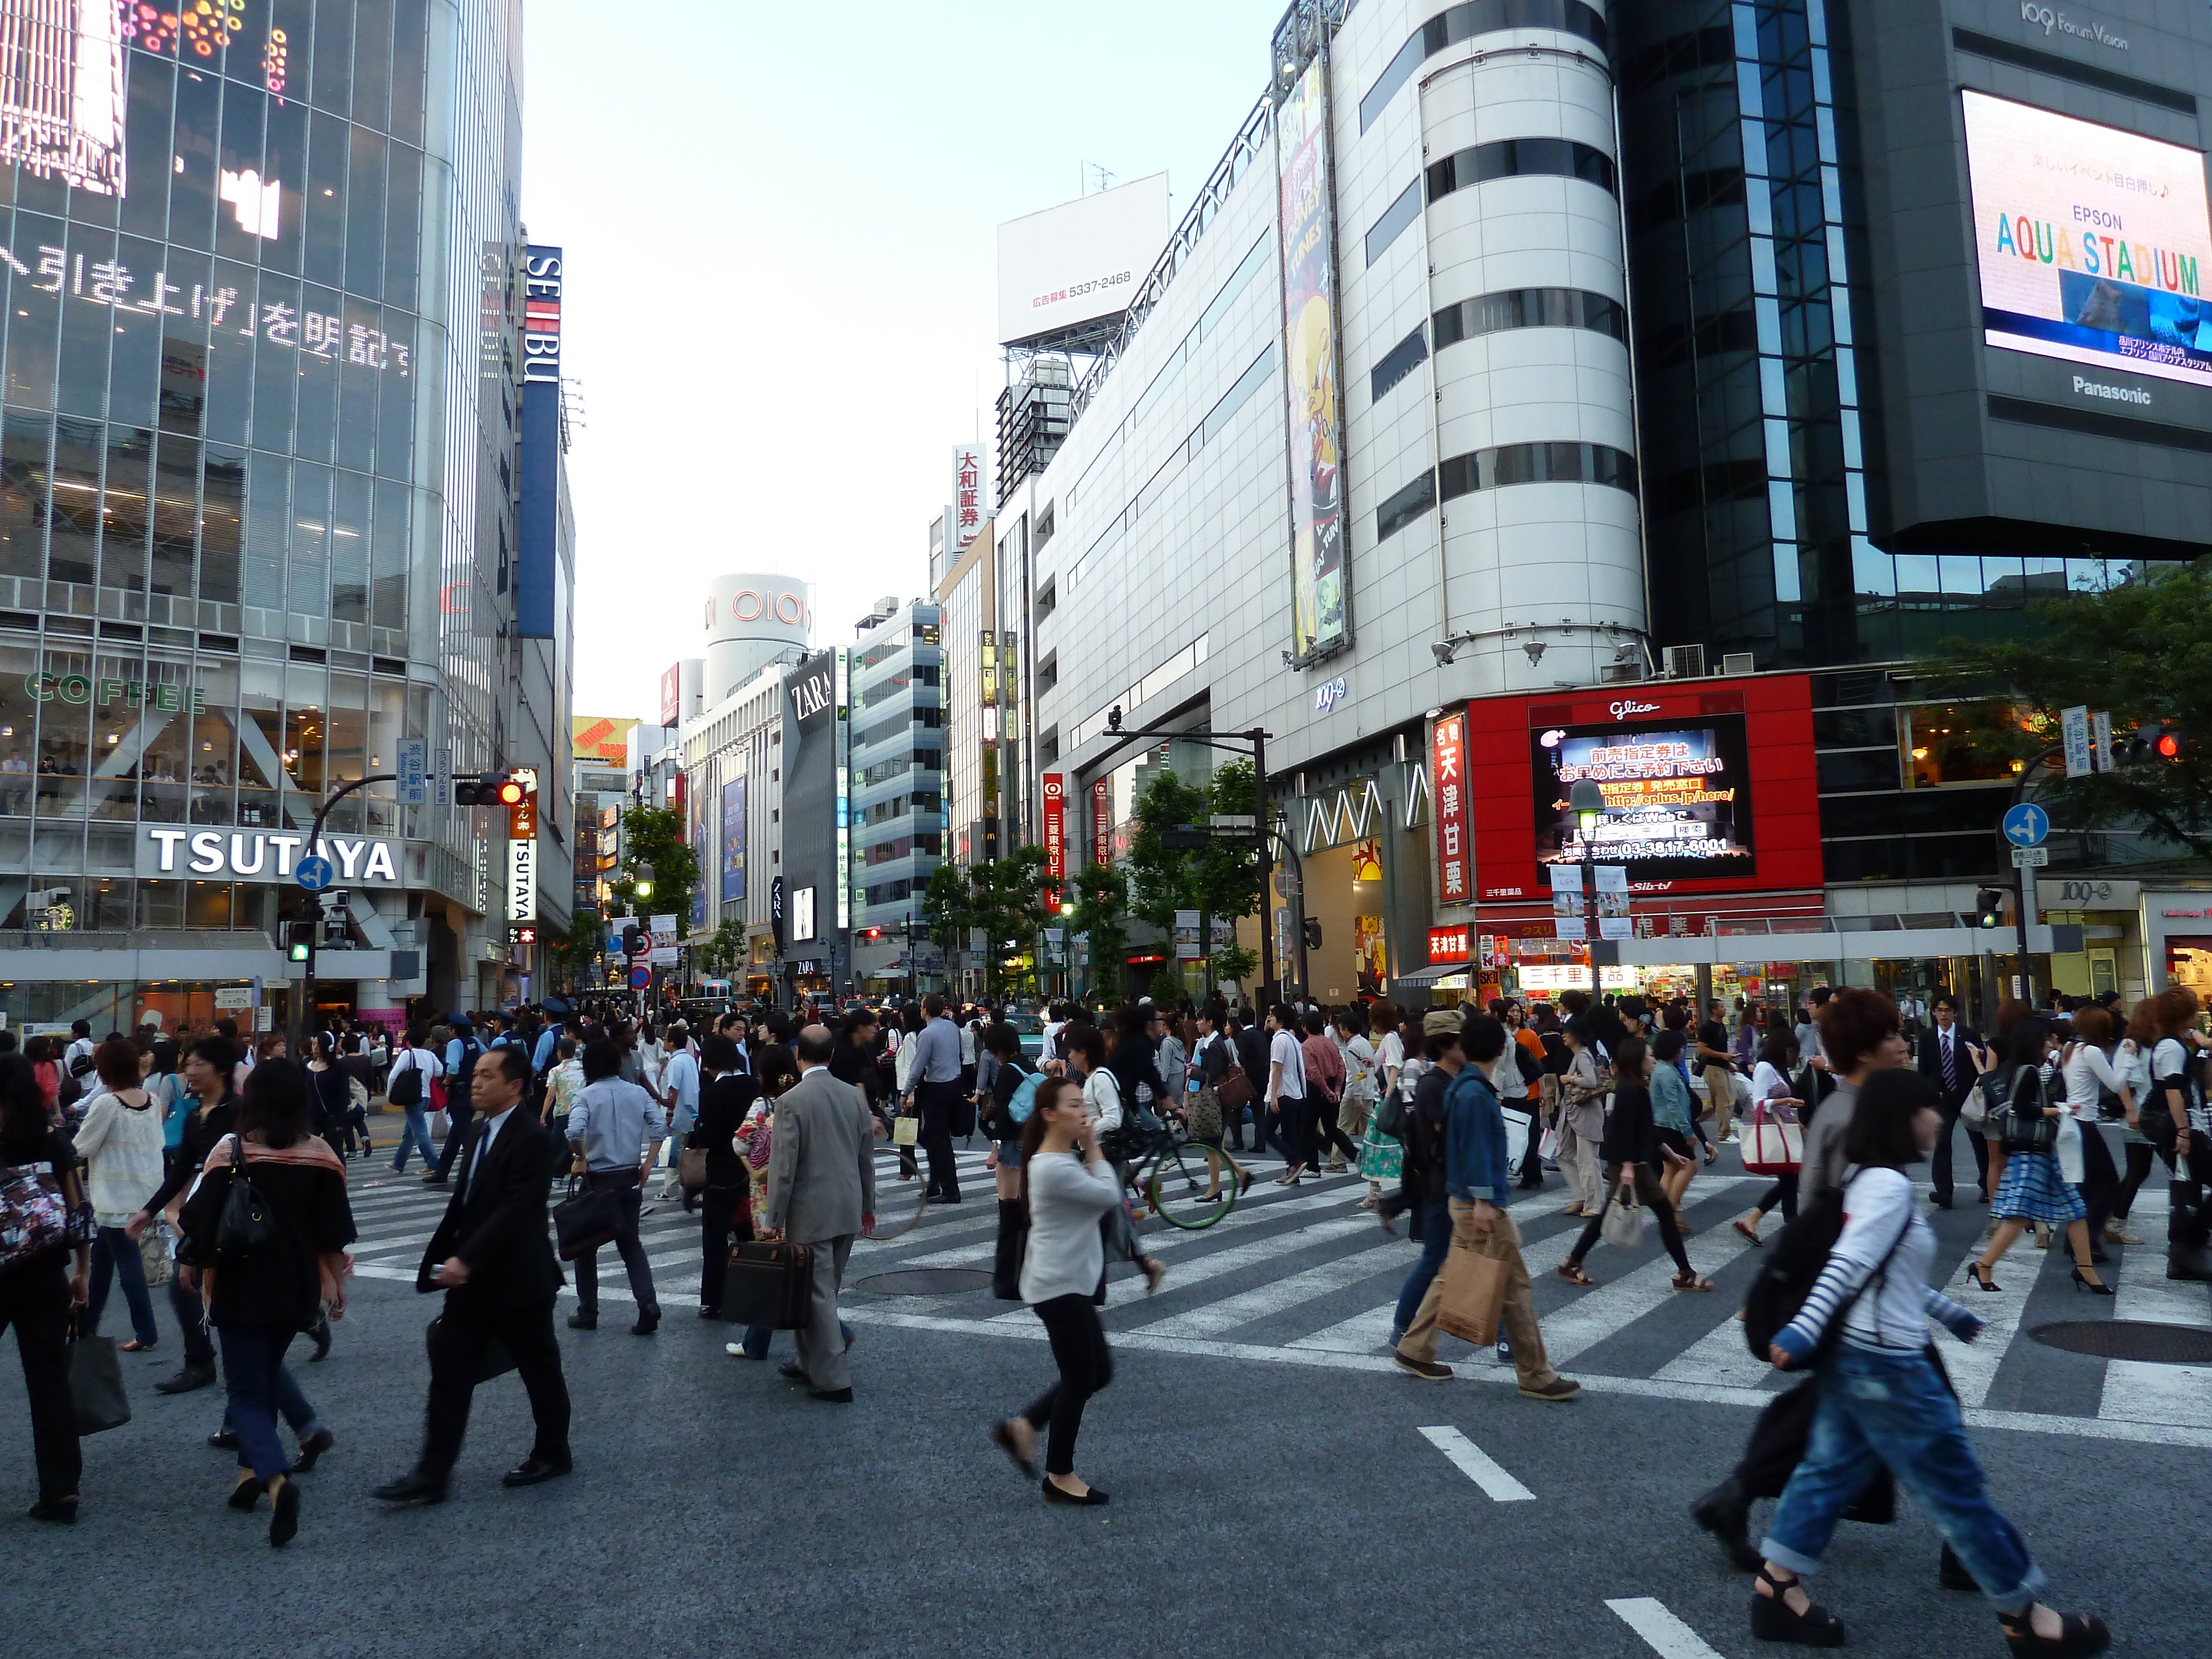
(2022, 1596)
(1783, 1556)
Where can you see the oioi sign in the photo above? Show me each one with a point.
(265, 855)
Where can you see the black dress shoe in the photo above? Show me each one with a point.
(534, 1470)
(1053, 1495)
(648, 1321)
(61, 1510)
(1941, 1200)
(312, 1449)
(583, 1322)
(223, 1439)
(416, 1487)
(710, 1312)
(792, 1372)
(185, 1381)
(831, 1396)
(1725, 1512)
(321, 1336)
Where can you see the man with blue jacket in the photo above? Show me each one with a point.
(1476, 1181)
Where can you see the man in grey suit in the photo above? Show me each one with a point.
(821, 1192)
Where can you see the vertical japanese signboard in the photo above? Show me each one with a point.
(1102, 821)
(1055, 828)
(971, 497)
(1447, 798)
(536, 565)
(1319, 624)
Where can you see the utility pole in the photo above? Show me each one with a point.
(306, 1010)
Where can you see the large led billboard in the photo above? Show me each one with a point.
(1080, 261)
(2093, 244)
(1677, 797)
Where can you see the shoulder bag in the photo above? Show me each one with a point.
(97, 1396)
(403, 1087)
(246, 1226)
(2023, 1125)
(584, 1219)
(1623, 1226)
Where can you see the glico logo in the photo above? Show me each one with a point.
(1622, 710)
(750, 605)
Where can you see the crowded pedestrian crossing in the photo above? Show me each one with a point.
(1301, 1277)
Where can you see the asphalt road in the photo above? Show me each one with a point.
(1261, 1506)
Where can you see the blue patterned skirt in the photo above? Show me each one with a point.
(2033, 1189)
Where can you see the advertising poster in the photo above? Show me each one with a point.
(1448, 796)
(2093, 244)
(699, 889)
(1315, 425)
(733, 841)
(1367, 948)
(1676, 801)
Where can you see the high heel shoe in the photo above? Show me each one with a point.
(1981, 1277)
(1772, 1620)
(2079, 1636)
(2083, 1282)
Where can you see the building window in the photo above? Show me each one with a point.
(1401, 360)
(1549, 463)
(1395, 217)
(1408, 504)
(1519, 158)
(1048, 596)
(1044, 527)
(1048, 672)
(1946, 743)
(1529, 307)
(1464, 23)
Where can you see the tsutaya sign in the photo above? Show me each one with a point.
(263, 855)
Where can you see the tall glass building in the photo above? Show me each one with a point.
(260, 261)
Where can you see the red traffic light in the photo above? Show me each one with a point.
(2169, 746)
(511, 794)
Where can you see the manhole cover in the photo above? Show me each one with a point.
(925, 1281)
(2126, 1339)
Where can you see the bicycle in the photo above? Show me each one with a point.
(1181, 1179)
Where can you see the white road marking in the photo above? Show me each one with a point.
(1478, 1466)
(1668, 1636)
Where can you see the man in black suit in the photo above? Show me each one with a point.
(1947, 1058)
(492, 1257)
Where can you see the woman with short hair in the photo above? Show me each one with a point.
(121, 1145)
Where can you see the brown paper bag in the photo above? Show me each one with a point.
(1473, 1295)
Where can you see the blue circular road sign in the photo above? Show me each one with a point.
(2027, 824)
(639, 978)
(313, 872)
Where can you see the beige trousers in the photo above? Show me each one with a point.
(1501, 1243)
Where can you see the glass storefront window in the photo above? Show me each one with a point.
(19, 716)
(207, 904)
(64, 732)
(1958, 743)
(160, 904)
(213, 744)
(261, 743)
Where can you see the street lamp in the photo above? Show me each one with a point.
(1587, 802)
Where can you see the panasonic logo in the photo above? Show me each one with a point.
(2117, 394)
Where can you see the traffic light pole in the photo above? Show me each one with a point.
(2023, 879)
(297, 1024)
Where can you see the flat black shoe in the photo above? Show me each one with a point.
(1053, 1495)
(648, 1321)
(247, 1493)
(62, 1510)
(284, 1516)
(1951, 1573)
(1771, 1620)
(1725, 1512)
(413, 1487)
(223, 1439)
(1941, 1200)
(583, 1322)
(312, 1449)
(2079, 1636)
(321, 1335)
(534, 1471)
(1004, 1442)
(791, 1372)
(831, 1396)
(185, 1381)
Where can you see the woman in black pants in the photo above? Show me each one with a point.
(1068, 1186)
(1632, 1151)
(723, 1099)
(40, 1292)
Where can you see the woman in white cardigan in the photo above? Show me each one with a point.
(121, 1142)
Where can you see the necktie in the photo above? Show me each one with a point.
(1950, 1062)
(476, 1160)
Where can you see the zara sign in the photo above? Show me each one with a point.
(262, 855)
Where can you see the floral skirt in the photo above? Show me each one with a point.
(2033, 1189)
(1381, 1158)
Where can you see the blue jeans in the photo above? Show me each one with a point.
(1435, 1245)
(114, 1256)
(417, 1134)
(253, 1363)
(1893, 1407)
(757, 1337)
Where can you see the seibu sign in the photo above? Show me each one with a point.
(263, 855)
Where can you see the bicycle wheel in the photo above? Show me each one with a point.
(1191, 1185)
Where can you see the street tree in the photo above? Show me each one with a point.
(1002, 898)
(654, 836)
(1218, 876)
(721, 952)
(1102, 898)
(2138, 650)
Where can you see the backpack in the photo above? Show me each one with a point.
(1787, 1275)
(1530, 1068)
(1006, 1122)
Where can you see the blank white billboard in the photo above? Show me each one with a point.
(1080, 260)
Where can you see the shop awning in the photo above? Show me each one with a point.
(1440, 973)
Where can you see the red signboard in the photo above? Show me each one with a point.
(1449, 801)
(671, 693)
(1721, 774)
(1448, 944)
(1101, 827)
(1056, 827)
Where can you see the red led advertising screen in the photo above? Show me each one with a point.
(1708, 786)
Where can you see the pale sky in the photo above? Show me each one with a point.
(780, 225)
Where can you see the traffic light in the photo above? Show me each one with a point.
(871, 934)
(2153, 743)
(1313, 933)
(635, 940)
(491, 789)
(299, 940)
(1988, 904)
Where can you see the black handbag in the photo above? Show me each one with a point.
(2022, 1126)
(493, 1361)
(246, 1227)
(769, 1284)
(585, 1220)
(95, 1383)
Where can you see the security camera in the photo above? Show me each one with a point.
(1445, 650)
(1536, 650)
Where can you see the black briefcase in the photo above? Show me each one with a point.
(495, 1360)
(585, 1220)
(768, 1285)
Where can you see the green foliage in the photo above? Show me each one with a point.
(1166, 988)
(719, 954)
(1005, 897)
(1101, 898)
(1221, 878)
(573, 953)
(654, 836)
(2139, 651)
(1235, 963)
(946, 907)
